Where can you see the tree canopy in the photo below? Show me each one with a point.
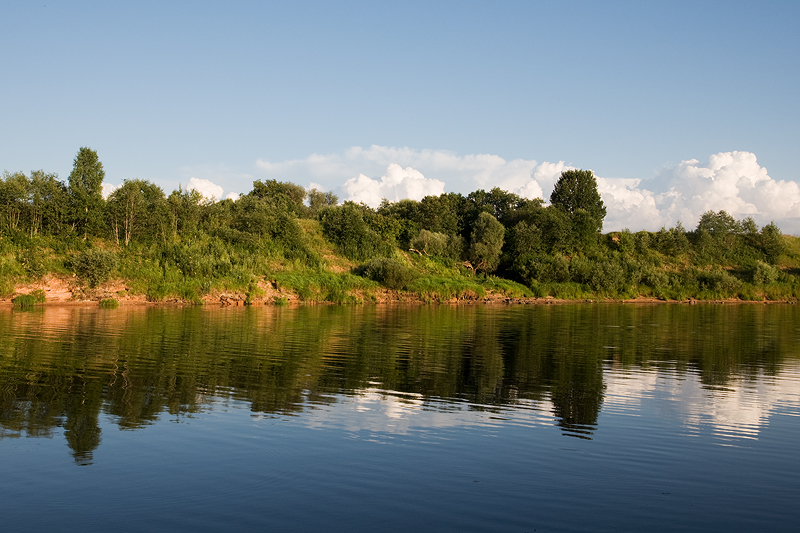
(577, 189)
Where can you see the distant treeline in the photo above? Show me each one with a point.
(183, 244)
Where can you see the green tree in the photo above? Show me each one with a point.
(85, 190)
(14, 189)
(185, 211)
(49, 203)
(772, 242)
(577, 189)
(317, 200)
(487, 243)
(138, 208)
(279, 192)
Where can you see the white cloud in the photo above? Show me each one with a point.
(206, 188)
(232, 196)
(108, 190)
(461, 173)
(731, 181)
(397, 183)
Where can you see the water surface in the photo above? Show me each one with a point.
(439, 418)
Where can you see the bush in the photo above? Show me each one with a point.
(543, 268)
(608, 276)
(6, 288)
(94, 265)
(24, 301)
(389, 272)
(109, 303)
(580, 269)
(719, 281)
(39, 295)
(655, 277)
(763, 274)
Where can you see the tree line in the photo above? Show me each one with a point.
(555, 247)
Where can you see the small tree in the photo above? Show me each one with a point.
(94, 265)
(772, 242)
(487, 243)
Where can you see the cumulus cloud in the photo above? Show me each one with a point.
(108, 190)
(206, 188)
(463, 173)
(397, 183)
(730, 181)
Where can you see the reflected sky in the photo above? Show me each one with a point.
(547, 418)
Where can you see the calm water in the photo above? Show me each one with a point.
(530, 418)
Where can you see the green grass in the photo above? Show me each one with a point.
(24, 301)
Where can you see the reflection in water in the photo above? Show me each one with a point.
(397, 366)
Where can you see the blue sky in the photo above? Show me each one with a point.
(236, 91)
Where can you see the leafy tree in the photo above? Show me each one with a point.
(185, 210)
(13, 194)
(577, 189)
(719, 224)
(497, 202)
(138, 208)
(317, 200)
(85, 190)
(288, 195)
(487, 243)
(772, 242)
(352, 235)
(49, 203)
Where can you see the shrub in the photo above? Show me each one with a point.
(389, 272)
(763, 274)
(719, 281)
(608, 276)
(24, 301)
(6, 288)
(40, 295)
(94, 265)
(34, 262)
(543, 268)
(654, 277)
(580, 269)
(109, 303)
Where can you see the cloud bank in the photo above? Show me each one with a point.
(733, 181)
(730, 181)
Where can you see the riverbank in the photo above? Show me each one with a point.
(68, 291)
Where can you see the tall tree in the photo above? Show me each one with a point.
(487, 243)
(85, 189)
(577, 189)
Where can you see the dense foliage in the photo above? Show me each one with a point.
(185, 246)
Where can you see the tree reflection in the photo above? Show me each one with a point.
(63, 368)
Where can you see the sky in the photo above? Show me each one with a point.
(677, 107)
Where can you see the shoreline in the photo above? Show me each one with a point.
(233, 299)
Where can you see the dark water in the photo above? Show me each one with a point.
(530, 418)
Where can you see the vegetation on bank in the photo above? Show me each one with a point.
(280, 243)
